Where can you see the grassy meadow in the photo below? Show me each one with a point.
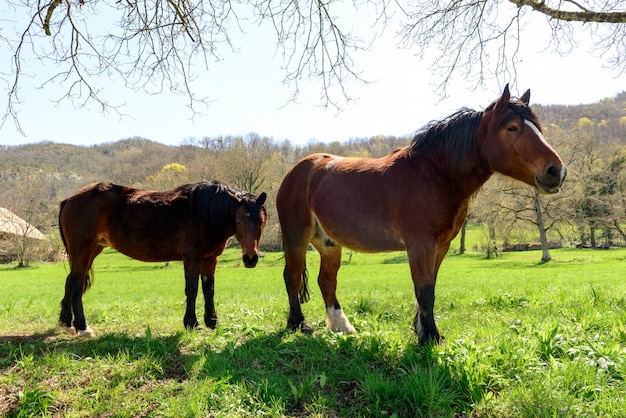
(523, 339)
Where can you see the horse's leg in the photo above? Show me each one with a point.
(330, 261)
(75, 286)
(296, 224)
(208, 290)
(295, 242)
(65, 318)
(192, 273)
(293, 274)
(74, 281)
(423, 262)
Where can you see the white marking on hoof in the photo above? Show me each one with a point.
(87, 333)
(417, 326)
(337, 322)
(70, 330)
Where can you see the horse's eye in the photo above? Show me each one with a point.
(512, 128)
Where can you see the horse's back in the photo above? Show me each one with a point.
(291, 201)
(295, 184)
(86, 201)
(314, 168)
(347, 198)
(91, 201)
(134, 222)
(293, 197)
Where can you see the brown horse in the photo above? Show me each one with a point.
(192, 223)
(414, 199)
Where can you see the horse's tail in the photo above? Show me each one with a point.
(88, 279)
(90, 275)
(61, 206)
(304, 289)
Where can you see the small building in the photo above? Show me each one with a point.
(11, 225)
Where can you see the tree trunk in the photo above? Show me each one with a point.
(543, 238)
(592, 234)
(491, 245)
(618, 228)
(462, 246)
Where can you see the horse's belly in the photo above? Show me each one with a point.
(377, 245)
(352, 205)
(147, 254)
(142, 249)
(363, 237)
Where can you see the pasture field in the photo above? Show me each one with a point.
(523, 339)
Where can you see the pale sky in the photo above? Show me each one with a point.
(248, 97)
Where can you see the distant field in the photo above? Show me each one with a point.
(523, 338)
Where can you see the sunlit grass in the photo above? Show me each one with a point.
(523, 338)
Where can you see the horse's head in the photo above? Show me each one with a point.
(250, 219)
(512, 141)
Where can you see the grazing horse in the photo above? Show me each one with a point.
(192, 223)
(414, 199)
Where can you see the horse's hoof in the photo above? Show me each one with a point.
(432, 340)
(337, 321)
(350, 330)
(191, 325)
(212, 323)
(305, 328)
(86, 333)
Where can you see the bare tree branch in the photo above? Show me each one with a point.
(156, 45)
(584, 15)
(464, 35)
(313, 46)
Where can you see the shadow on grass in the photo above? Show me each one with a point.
(27, 338)
(292, 373)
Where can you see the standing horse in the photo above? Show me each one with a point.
(192, 223)
(414, 199)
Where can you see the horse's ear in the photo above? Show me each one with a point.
(261, 199)
(504, 100)
(234, 196)
(525, 97)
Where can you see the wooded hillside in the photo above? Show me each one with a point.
(589, 211)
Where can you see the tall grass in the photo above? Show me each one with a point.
(523, 338)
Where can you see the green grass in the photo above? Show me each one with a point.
(523, 339)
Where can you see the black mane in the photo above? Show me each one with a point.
(526, 113)
(453, 136)
(213, 202)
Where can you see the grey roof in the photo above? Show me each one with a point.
(12, 224)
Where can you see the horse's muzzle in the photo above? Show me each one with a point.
(552, 180)
(250, 262)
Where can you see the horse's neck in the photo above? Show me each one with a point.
(463, 180)
(475, 176)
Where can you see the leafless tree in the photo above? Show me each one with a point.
(510, 208)
(244, 160)
(30, 206)
(481, 39)
(157, 45)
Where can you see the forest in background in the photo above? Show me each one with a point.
(590, 211)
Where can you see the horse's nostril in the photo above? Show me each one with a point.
(250, 262)
(554, 172)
